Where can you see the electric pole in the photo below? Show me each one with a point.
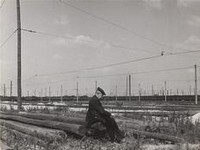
(139, 92)
(195, 89)
(129, 87)
(19, 88)
(77, 93)
(61, 93)
(152, 89)
(95, 85)
(165, 91)
(126, 87)
(49, 93)
(4, 90)
(10, 88)
(116, 93)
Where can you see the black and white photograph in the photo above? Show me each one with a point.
(99, 74)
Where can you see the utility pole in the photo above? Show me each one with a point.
(126, 87)
(4, 90)
(190, 90)
(116, 93)
(41, 94)
(35, 92)
(152, 90)
(49, 93)
(19, 87)
(165, 91)
(61, 93)
(139, 92)
(77, 93)
(45, 92)
(10, 88)
(195, 80)
(95, 85)
(129, 87)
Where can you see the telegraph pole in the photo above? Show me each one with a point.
(129, 87)
(139, 92)
(10, 88)
(152, 89)
(116, 93)
(95, 86)
(126, 87)
(19, 88)
(49, 93)
(61, 93)
(77, 93)
(165, 91)
(195, 89)
(4, 90)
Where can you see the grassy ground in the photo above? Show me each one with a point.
(184, 129)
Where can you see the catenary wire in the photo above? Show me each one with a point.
(2, 3)
(3, 43)
(65, 37)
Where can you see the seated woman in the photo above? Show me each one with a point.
(97, 115)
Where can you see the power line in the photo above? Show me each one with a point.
(3, 43)
(186, 52)
(112, 45)
(105, 66)
(112, 23)
(64, 37)
(153, 71)
(110, 65)
(2, 3)
(122, 74)
(117, 25)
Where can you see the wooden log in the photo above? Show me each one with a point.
(3, 146)
(123, 122)
(69, 128)
(158, 136)
(32, 139)
(47, 135)
(75, 128)
(60, 118)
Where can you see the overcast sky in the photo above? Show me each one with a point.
(88, 40)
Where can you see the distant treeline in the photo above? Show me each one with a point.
(108, 98)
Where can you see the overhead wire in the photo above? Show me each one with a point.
(104, 66)
(110, 22)
(143, 72)
(3, 43)
(72, 38)
(2, 3)
(122, 74)
(100, 67)
(117, 25)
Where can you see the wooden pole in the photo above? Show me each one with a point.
(49, 93)
(61, 93)
(77, 93)
(129, 87)
(10, 88)
(41, 94)
(126, 87)
(116, 92)
(139, 92)
(195, 90)
(95, 85)
(19, 88)
(4, 90)
(165, 91)
(45, 92)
